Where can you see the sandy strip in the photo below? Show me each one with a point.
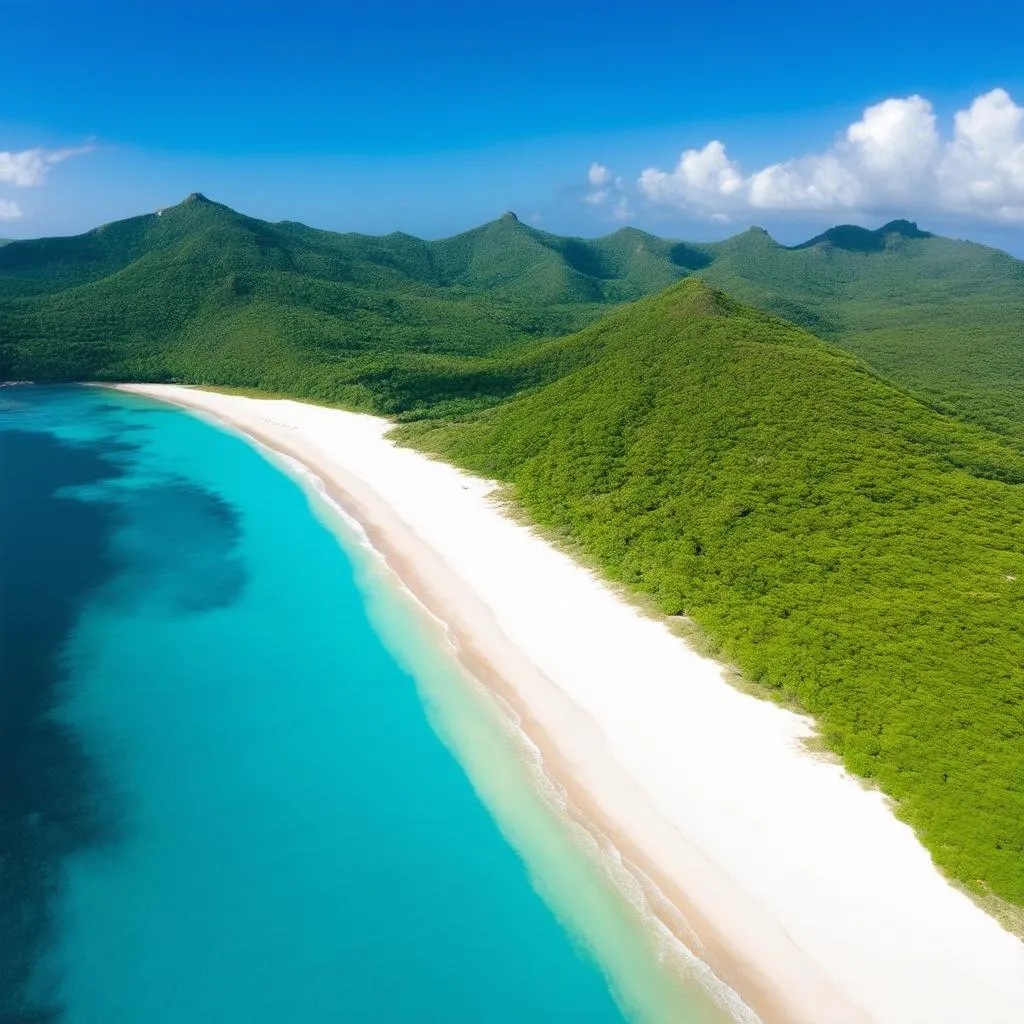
(807, 895)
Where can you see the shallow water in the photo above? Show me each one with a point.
(242, 779)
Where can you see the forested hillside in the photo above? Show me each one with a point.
(201, 294)
(840, 542)
(944, 318)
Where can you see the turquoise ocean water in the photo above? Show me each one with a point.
(241, 779)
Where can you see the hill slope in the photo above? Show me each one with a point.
(940, 317)
(839, 541)
(202, 294)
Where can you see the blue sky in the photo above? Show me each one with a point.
(432, 117)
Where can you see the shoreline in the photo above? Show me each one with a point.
(806, 896)
(571, 802)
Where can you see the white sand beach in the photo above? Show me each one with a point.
(807, 895)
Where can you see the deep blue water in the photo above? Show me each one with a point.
(221, 798)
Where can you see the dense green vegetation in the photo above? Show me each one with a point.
(201, 294)
(854, 544)
(941, 317)
(842, 543)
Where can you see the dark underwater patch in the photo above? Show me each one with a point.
(53, 802)
(178, 546)
(73, 529)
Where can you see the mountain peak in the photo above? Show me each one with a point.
(510, 217)
(906, 228)
(858, 239)
(192, 200)
(754, 235)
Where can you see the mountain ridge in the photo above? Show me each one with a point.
(899, 226)
(356, 319)
(860, 239)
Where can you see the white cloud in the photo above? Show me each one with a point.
(893, 159)
(598, 175)
(622, 209)
(608, 191)
(984, 164)
(700, 178)
(30, 166)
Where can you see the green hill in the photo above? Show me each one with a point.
(840, 542)
(941, 317)
(202, 294)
